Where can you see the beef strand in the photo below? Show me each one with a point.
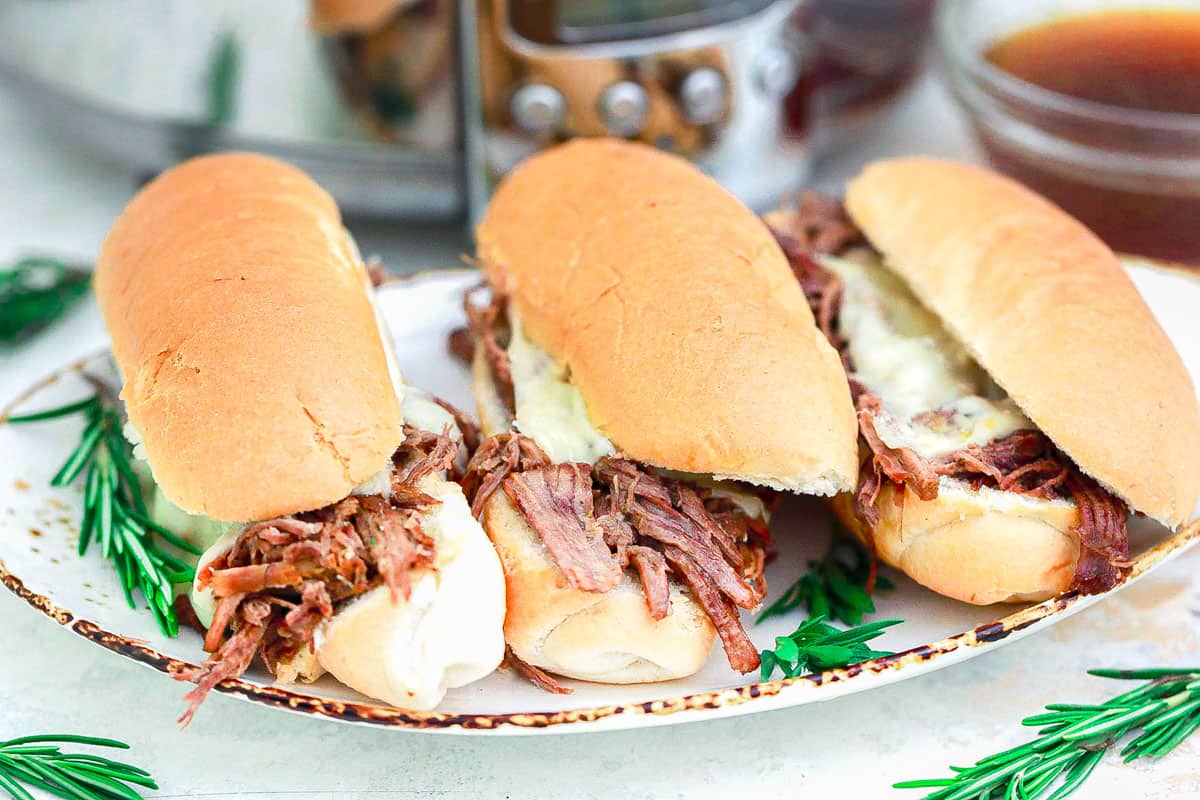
(538, 677)
(489, 326)
(557, 501)
(652, 569)
(741, 652)
(231, 660)
(900, 465)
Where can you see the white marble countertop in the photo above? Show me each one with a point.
(51, 681)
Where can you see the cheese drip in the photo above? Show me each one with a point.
(550, 410)
(903, 354)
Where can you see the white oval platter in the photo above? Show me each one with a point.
(38, 561)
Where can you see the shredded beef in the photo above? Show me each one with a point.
(557, 501)
(284, 577)
(597, 520)
(461, 345)
(234, 658)
(740, 651)
(466, 425)
(819, 224)
(538, 677)
(652, 569)
(1025, 462)
(496, 458)
(647, 501)
(421, 454)
(900, 465)
(489, 325)
(1103, 537)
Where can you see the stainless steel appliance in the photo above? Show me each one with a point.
(703, 78)
(413, 108)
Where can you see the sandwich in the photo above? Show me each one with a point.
(1016, 398)
(648, 375)
(262, 393)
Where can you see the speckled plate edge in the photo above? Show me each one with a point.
(740, 699)
(732, 701)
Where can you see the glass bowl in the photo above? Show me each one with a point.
(1133, 176)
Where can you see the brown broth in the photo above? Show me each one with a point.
(1145, 60)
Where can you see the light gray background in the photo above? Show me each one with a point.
(51, 681)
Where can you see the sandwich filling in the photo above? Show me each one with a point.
(927, 412)
(281, 579)
(603, 517)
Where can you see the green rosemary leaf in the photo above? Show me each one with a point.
(116, 445)
(1077, 774)
(223, 72)
(37, 762)
(769, 662)
(79, 457)
(104, 512)
(34, 292)
(90, 496)
(14, 789)
(168, 535)
(54, 413)
(170, 560)
(127, 578)
(923, 783)
(816, 645)
(818, 601)
(1073, 738)
(1143, 674)
(835, 586)
(114, 511)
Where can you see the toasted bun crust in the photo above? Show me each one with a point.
(608, 637)
(676, 314)
(254, 369)
(978, 547)
(1048, 311)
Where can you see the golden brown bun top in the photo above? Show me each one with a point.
(352, 16)
(676, 314)
(1049, 312)
(254, 369)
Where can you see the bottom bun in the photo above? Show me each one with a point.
(980, 547)
(447, 634)
(607, 637)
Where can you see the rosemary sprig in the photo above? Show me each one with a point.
(114, 510)
(836, 586)
(224, 67)
(815, 646)
(1072, 739)
(36, 761)
(34, 292)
